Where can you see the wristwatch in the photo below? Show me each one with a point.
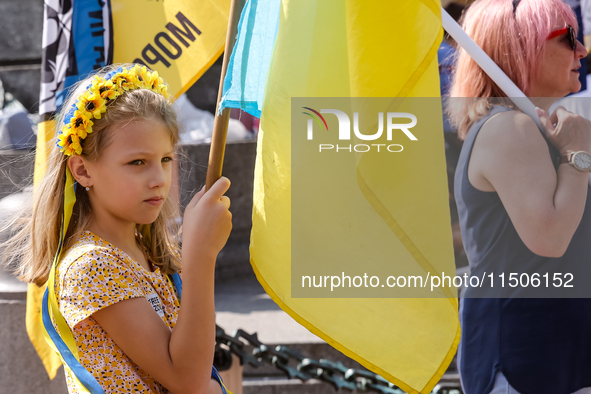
(581, 160)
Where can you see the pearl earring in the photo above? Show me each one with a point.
(87, 188)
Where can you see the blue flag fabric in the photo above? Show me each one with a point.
(244, 84)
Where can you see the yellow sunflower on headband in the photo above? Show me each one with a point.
(70, 144)
(144, 76)
(158, 85)
(125, 80)
(105, 88)
(81, 124)
(92, 103)
(150, 80)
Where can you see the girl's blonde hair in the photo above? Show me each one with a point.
(35, 243)
(515, 38)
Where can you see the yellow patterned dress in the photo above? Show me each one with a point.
(93, 275)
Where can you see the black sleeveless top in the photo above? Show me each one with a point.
(542, 345)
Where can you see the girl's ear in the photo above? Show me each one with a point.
(78, 168)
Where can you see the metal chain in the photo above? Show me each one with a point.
(294, 365)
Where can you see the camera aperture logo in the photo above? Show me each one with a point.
(344, 132)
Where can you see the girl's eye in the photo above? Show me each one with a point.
(136, 162)
(166, 159)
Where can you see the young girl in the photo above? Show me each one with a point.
(110, 295)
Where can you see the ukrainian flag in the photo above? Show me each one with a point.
(351, 48)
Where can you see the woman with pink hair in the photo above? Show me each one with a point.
(524, 202)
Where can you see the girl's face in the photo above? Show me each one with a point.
(558, 75)
(131, 179)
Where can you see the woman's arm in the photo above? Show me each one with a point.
(511, 157)
(180, 360)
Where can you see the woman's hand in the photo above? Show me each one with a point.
(207, 222)
(568, 132)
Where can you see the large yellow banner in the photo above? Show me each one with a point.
(179, 39)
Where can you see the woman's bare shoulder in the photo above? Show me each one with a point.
(510, 131)
(506, 140)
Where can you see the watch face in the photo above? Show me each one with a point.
(582, 161)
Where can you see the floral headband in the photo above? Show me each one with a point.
(97, 97)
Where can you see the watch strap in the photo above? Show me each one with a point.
(566, 158)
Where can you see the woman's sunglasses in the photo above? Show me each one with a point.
(572, 37)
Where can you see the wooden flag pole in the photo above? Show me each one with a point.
(220, 125)
(233, 376)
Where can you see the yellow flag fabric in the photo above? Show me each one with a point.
(50, 359)
(356, 48)
(179, 39)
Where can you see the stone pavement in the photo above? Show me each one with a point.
(244, 304)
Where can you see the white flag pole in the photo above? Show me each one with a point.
(489, 66)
